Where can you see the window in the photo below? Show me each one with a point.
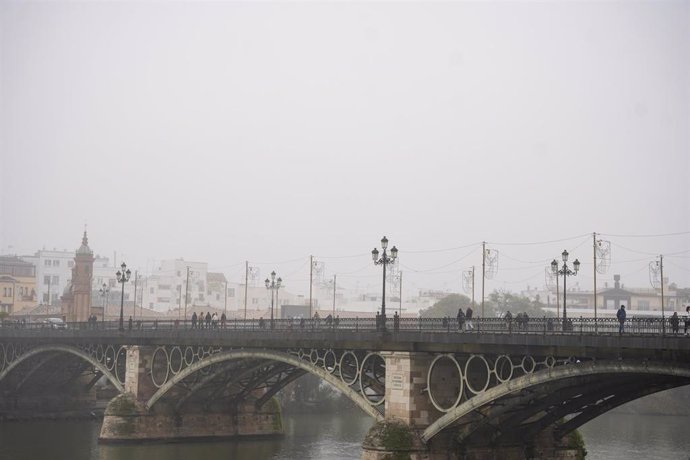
(150, 290)
(46, 280)
(56, 279)
(255, 301)
(56, 263)
(231, 292)
(70, 263)
(111, 283)
(45, 297)
(643, 304)
(48, 263)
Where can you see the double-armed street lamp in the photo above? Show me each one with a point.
(123, 277)
(384, 260)
(104, 294)
(273, 284)
(565, 271)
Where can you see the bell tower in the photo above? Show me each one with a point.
(77, 302)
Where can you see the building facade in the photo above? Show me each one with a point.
(53, 274)
(17, 284)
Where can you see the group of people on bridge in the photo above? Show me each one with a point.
(208, 321)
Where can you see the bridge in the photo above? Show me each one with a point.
(510, 389)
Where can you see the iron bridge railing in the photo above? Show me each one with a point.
(544, 326)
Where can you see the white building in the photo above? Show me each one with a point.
(175, 283)
(53, 273)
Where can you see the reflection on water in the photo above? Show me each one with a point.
(634, 437)
(323, 437)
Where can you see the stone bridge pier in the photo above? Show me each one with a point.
(153, 409)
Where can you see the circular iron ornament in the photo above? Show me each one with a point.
(531, 364)
(362, 377)
(176, 360)
(300, 354)
(100, 354)
(503, 368)
(121, 365)
(188, 356)
(550, 362)
(470, 376)
(348, 363)
(460, 382)
(314, 356)
(329, 361)
(110, 358)
(9, 353)
(2, 356)
(164, 365)
(199, 353)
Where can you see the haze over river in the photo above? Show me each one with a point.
(323, 436)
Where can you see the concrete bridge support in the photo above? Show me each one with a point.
(128, 418)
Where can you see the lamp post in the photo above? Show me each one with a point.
(565, 271)
(273, 285)
(384, 260)
(104, 294)
(123, 277)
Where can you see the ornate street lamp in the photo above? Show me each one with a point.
(384, 260)
(123, 277)
(273, 284)
(565, 271)
(104, 294)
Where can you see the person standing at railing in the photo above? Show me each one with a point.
(468, 318)
(461, 320)
(621, 319)
(194, 320)
(223, 319)
(508, 317)
(675, 322)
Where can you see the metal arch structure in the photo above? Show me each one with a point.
(295, 360)
(92, 360)
(555, 381)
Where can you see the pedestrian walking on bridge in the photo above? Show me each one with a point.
(468, 318)
(621, 319)
(461, 320)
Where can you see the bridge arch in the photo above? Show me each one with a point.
(267, 355)
(546, 376)
(63, 349)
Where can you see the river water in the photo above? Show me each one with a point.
(323, 436)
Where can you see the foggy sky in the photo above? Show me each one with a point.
(225, 132)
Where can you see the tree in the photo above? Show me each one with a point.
(448, 306)
(503, 301)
